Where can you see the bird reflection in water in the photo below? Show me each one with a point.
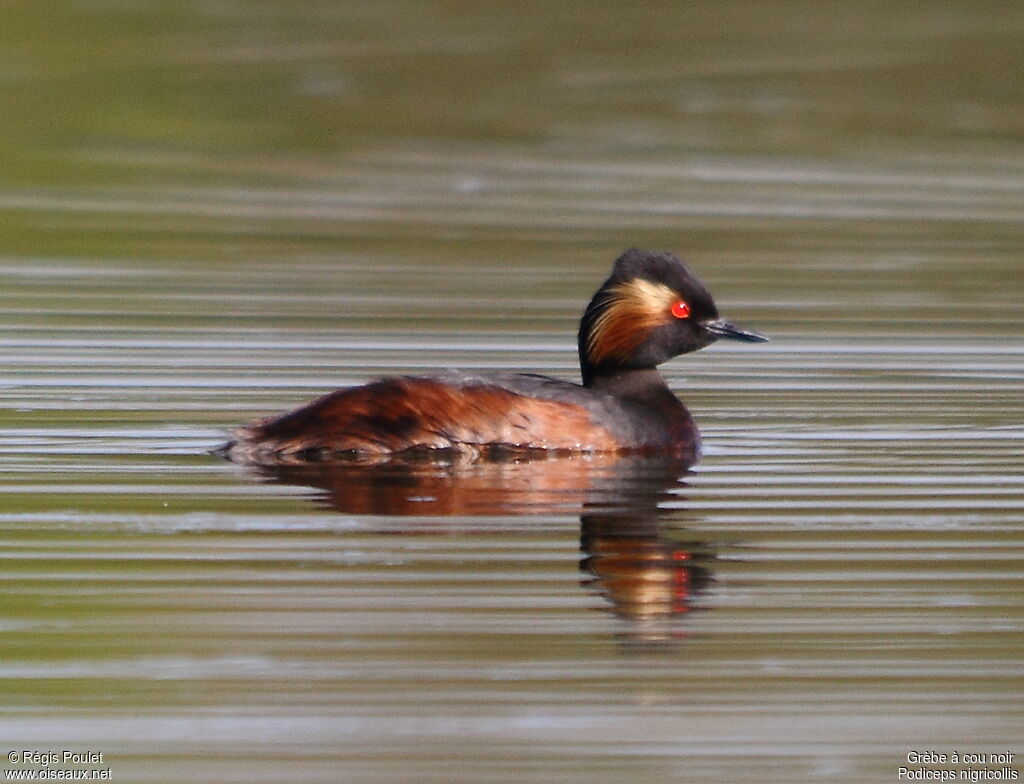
(648, 571)
(649, 578)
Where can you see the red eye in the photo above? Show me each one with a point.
(680, 309)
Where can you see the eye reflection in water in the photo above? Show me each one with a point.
(647, 571)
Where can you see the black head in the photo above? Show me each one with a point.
(650, 309)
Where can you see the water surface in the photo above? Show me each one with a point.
(220, 211)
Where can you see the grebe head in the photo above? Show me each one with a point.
(650, 309)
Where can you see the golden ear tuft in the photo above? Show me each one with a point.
(631, 310)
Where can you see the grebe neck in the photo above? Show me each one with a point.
(631, 383)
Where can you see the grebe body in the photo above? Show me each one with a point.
(649, 310)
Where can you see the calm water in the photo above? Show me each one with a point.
(212, 211)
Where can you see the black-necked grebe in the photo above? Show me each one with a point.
(650, 309)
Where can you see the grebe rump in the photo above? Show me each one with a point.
(650, 309)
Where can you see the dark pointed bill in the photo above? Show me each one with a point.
(723, 329)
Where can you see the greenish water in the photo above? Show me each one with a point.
(215, 210)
